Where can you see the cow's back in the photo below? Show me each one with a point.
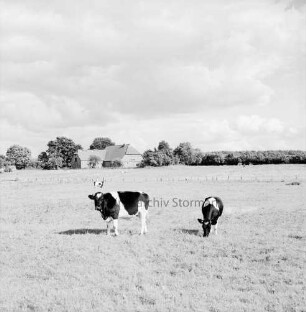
(210, 211)
(220, 204)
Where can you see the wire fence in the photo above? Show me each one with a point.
(203, 179)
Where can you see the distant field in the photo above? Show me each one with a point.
(55, 255)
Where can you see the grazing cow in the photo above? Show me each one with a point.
(121, 204)
(212, 209)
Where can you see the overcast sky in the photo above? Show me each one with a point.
(223, 75)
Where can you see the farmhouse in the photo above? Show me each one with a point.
(125, 153)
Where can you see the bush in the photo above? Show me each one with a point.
(35, 164)
(2, 161)
(116, 164)
(93, 161)
(19, 156)
(8, 169)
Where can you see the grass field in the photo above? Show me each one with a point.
(55, 255)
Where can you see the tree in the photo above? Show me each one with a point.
(43, 159)
(101, 143)
(49, 161)
(166, 153)
(197, 157)
(19, 156)
(55, 162)
(156, 158)
(213, 159)
(93, 161)
(116, 164)
(163, 145)
(35, 164)
(2, 161)
(230, 159)
(149, 159)
(185, 153)
(299, 158)
(62, 150)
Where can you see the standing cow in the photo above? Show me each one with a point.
(114, 205)
(212, 209)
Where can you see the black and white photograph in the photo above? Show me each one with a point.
(152, 156)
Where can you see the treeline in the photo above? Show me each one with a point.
(185, 154)
(254, 158)
(59, 154)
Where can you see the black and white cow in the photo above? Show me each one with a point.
(114, 205)
(212, 209)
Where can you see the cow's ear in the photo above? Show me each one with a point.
(91, 197)
(200, 221)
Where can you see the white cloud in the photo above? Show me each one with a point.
(28, 111)
(255, 123)
(84, 68)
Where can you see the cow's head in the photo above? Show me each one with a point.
(98, 200)
(206, 225)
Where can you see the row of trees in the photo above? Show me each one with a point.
(58, 154)
(61, 150)
(185, 154)
(164, 155)
(254, 157)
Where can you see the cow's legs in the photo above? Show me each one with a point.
(145, 221)
(108, 225)
(115, 222)
(143, 218)
(108, 228)
(215, 228)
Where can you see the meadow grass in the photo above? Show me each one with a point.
(55, 255)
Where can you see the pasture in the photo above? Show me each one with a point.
(55, 255)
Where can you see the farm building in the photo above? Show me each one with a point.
(81, 158)
(125, 153)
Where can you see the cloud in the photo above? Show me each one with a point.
(254, 123)
(75, 67)
(205, 132)
(260, 132)
(152, 51)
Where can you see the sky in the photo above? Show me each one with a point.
(223, 75)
